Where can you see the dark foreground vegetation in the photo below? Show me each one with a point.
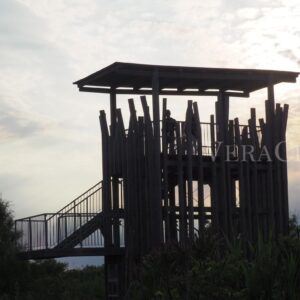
(45, 279)
(213, 268)
(210, 268)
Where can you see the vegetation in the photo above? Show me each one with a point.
(211, 268)
(44, 279)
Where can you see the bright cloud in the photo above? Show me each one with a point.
(50, 139)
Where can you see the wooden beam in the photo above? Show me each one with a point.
(157, 213)
(161, 92)
(205, 75)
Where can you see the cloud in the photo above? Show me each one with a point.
(15, 124)
(50, 133)
(291, 55)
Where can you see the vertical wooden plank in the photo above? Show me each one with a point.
(269, 144)
(283, 154)
(141, 183)
(157, 213)
(254, 176)
(132, 220)
(173, 220)
(248, 190)
(30, 233)
(231, 146)
(271, 114)
(213, 184)
(115, 189)
(113, 110)
(212, 135)
(222, 176)
(122, 143)
(278, 205)
(46, 230)
(165, 172)
(190, 137)
(229, 181)
(272, 141)
(263, 206)
(148, 171)
(133, 157)
(200, 181)
(218, 127)
(106, 191)
(181, 193)
(242, 189)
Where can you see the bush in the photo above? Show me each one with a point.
(211, 268)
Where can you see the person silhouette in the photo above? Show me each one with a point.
(170, 128)
(193, 131)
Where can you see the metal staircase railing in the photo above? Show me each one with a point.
(50, 230)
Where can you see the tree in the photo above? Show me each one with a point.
(43, 279)
(8, 262)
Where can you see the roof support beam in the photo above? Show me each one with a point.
(161, 92)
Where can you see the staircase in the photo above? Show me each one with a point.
(78, 229)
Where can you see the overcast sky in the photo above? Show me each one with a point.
(49, 132)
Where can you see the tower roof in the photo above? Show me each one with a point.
(130, 78)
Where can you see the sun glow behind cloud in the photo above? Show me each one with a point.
(50, 141)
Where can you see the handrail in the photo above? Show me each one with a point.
(70, 204)
(76, 219)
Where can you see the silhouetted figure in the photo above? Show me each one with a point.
(194, 134)
(170, 124)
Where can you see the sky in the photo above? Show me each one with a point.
(50, 147)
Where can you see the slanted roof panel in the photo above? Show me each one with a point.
(175, 77)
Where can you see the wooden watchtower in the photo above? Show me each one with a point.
(154, 181)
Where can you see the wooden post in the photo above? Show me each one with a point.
(189, 117)
(148, 171)
(106, 188)
(222, 122)
(142, 204)
(242, 184)
(46, 231)
(115, 190)
(113, 110)
(165, 173)
(269, 142)
(200, 183)
(181, 192)
(213, 186)
(30, 234)
(284, 171)
(157, 207)
(254, 177)
(278, 207)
